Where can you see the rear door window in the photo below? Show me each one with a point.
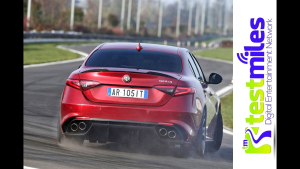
(191, 68)
(196, 72)
(198, 67)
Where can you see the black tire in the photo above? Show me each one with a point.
(201, 138)
(60, 136)
(218, 134)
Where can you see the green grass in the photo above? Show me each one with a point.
(214, 39)
(47, 52)
(217, 53)
(227, 109)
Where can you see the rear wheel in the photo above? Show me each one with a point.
(201, 138)
(218, 134)
(60, 136)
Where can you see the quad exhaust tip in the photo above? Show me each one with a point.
(163, 132)
(74, 126)
(82, 125)
(172, 134)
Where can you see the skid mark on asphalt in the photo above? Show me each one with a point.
(36, 81)
(111, 155)
(39, 93)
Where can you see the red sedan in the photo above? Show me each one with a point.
(141, 92)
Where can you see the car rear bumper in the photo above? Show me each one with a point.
(109, 130)
(115, 117)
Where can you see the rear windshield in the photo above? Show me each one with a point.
(131, 58)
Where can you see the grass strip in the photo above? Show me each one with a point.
(216, 53)
(227, 109)
(46, 52)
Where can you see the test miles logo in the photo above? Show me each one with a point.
(259, 57)
(250, 141)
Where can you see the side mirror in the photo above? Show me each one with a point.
(215, 78)
(79, 66)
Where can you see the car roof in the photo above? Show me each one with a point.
(145, 46)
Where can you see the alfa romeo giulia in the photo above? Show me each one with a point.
(141, 92)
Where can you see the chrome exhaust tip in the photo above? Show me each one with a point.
(172, 134)
(74, 126)
(82, 125)
(162, 132)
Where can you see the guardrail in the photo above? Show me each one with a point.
(59, 37)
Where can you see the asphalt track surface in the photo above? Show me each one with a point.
(42, 91)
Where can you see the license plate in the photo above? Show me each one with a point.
(133, 93)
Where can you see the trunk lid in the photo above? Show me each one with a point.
(113, 79)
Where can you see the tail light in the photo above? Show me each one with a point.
(184, 90)
(176, 90)
(87, 84)
(166, 89)
(82, 84)
(73, 83)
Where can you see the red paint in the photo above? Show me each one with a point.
(169, 124)
(82, 117)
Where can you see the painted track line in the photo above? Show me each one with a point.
(227, 131)
(72, 50)
(226, 90)
(25, 167)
